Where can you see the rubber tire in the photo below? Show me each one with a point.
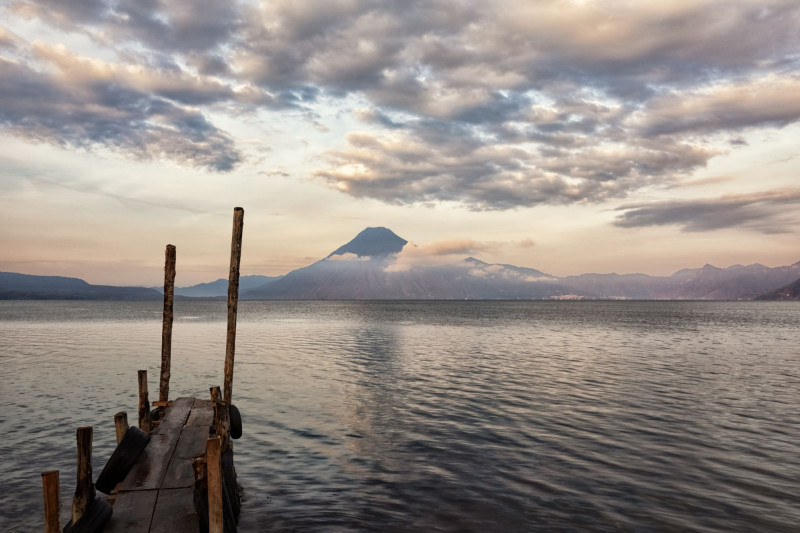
(94, 520)
(236, 422)
(122, 460)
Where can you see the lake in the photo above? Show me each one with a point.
(436, 416)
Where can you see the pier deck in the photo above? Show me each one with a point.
(158, 493)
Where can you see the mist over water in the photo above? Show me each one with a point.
(448, 416)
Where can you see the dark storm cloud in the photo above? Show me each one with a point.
(769, 212)
(501, 104)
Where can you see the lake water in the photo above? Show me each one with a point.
(437, 416)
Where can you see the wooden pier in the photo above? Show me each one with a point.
(173, 473)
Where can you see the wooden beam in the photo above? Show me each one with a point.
(121, 424)
(52, 502)
(166, 328)
(233, 300)
(145, 424)
(216, 520)
(84, 489)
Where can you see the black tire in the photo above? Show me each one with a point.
(236, 422)
(122, 460)
(94, 520)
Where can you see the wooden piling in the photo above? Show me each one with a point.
(52, 501)
(84, 489)
(145, 423)
(121, 424)
(233, 300)
(216, 519)
(166, 328)
(221, 426)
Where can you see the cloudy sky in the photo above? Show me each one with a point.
(564, 135)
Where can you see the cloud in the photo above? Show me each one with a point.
(169, 25)
(437, 253)
(773, 101)
(765, 212)
(82, 104)
(348, 257)
(490, 104)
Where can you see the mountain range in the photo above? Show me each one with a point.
(378, 264)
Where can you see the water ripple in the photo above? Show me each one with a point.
(438, 416)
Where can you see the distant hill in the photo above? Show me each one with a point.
(789, 292)
(220, 287)
(14, 286)
(707, 283)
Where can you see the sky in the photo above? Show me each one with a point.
(569, 136)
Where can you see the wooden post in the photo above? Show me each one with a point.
(222, 425)
(145, 424)
(166, 328)
(233, 300)
(216, 519)
(52, 502)
(84, 489)
(121, 424)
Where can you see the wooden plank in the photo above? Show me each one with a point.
(192, 442)
(174, 512)
(180, 474)
(176, 415)
(202, 414)
(133, 512)
(149, 471)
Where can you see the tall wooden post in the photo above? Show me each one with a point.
(84, 489)
(166, 329)
(52, 502)
(121, 424)
(216, 520)
(233, 300)
(145, 424)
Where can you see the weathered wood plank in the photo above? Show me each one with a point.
(133, 512)
(176, 415)
(174, 512)
(192, 442)
(202, 413)
(149, 471)
(179, 474)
